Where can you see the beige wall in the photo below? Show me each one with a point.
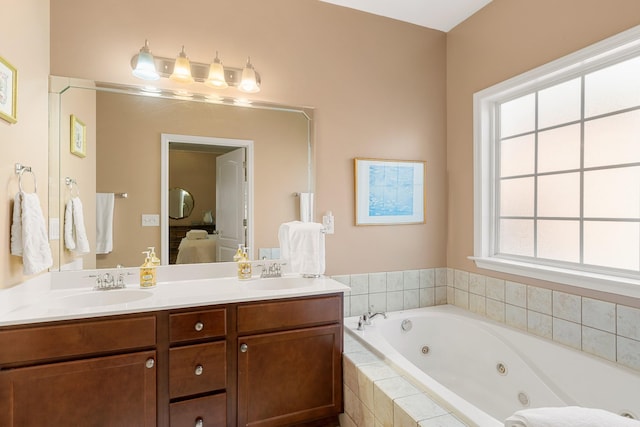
(25, 44)
(378, 86)
(504, 39)
(195, 172)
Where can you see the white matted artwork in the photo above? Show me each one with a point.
(389, 191)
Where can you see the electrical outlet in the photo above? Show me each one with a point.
(150, 220)
(327, 222)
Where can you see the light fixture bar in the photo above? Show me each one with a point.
(199, 71)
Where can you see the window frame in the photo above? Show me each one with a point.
(485, 102)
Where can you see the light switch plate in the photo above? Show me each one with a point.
(150, 220)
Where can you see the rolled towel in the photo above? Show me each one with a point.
(197, 234)
(568, 416)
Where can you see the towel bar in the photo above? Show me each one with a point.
(20, 169)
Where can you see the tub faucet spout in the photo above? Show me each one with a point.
(366, 317)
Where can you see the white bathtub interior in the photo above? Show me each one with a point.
(486, 371)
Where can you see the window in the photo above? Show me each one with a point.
(557, 170)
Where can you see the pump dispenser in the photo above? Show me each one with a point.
(242, 261)
(147, 272)
(152, 256)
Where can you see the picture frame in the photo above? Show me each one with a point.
(8, 91)
(389, 192)
(78, 137)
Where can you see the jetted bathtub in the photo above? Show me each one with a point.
(484, 371)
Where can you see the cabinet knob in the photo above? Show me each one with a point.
(199, 326)
(199, 370)
(244, 348)
(150, 362)
(199, 422)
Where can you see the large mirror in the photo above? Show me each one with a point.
(140, 144)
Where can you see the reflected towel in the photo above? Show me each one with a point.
(29, 234)
(75, 234)
(569, 416)
(302, 245)
(197, 234)
(104, 222)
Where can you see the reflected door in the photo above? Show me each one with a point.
(230, 203)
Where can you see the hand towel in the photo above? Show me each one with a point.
(104, 222)
(302, 245)
(75, 234)
(568, 416)
(29, 234)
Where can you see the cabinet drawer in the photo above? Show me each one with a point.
(211, 410)
(197, 369)
(73, 339)
(264, 316)
(197, 324)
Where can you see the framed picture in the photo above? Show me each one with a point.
(8, 91)
(78, 137)
(389, 191)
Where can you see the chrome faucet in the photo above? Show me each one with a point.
(365, 319)
(108, 281)
(271, 269)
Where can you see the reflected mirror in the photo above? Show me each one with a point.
(124, 130)
(181, 204)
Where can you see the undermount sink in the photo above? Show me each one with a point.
(277, 283)
(101, 298)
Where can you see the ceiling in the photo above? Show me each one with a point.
(440, 15)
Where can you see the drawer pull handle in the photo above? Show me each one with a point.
(199, 422)
(150, 362)
(199, 326)
(199, 370)
(244, 348)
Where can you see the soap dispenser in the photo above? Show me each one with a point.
(246, 267)
(152, 256)
(147, 272)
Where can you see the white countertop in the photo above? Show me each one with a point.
(42, 301)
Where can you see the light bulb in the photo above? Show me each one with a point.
(145, 66)
(249, 83)
(182, 69)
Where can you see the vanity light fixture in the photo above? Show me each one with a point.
(182, 70)
(145, 67)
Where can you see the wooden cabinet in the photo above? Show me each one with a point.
(293, 373)
(76, 386)
(265, 363)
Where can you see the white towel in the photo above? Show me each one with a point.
(568, 416)
(197, 234)
(302, 246)
(75, 234)
(104, 222)
(29, 234)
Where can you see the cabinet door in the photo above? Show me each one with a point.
(289, 377)
(116, 391)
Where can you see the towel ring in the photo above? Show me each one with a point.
(72, 184)
(20, 169)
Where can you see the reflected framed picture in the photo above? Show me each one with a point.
(78, 137)
(389, 192)
(8, 91)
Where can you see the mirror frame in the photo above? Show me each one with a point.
(59, 84)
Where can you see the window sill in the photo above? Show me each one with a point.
(598, 282)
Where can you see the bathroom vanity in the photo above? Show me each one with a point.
(220, 353)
